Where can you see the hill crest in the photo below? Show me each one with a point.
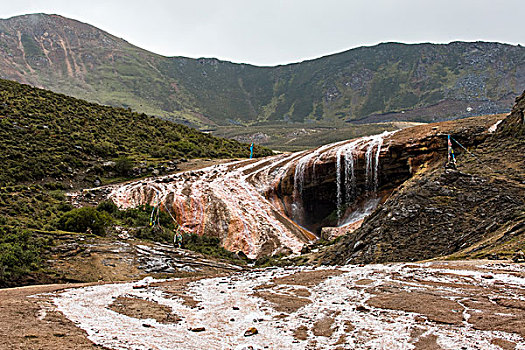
(386, 82)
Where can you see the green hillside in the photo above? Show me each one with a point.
(386, 82)
(45, 135)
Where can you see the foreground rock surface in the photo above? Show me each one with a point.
(438, 305)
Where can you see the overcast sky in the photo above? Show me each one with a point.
(270, 32)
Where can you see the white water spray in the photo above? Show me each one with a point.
(300, 178)
(373, 149)
(346, 152)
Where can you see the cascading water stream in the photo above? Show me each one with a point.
(349, 184)
(369, 166)
(300, 177)
(350, 176)
(372, 143)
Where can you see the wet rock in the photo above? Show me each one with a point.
(519, 257)
(361, 308)
(305, 249)
(188, 269)
(358, 245)
(242, 255)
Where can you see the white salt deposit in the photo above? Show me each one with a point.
(225, 325)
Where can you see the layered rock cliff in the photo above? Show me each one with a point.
(476, 210)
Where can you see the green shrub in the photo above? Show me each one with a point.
(210, 246)
(19, 255)
(108, 207)
(79, 220)
(141, 217)
(155, 233)
(123, 166)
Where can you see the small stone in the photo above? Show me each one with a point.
(519, 257)
(419, 319)
(197, 329)
(236, 308)
(251, 331)
(361, 308)
(147, 325)
(358, 245)
(487, 276)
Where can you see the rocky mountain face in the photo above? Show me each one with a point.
(423, 82)
(476, 210)
(514, 125)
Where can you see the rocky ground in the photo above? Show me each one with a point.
(434, 305)
(88, 258)
(474, 211)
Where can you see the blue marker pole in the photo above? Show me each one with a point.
(251, 151)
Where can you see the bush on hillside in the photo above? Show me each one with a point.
(19, 255)
(79, 220)
(209, 246)
(123, 166)
(156, 234)
(108, 207)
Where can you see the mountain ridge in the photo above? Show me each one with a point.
(385, 82)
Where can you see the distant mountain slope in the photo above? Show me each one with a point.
(44, 135)
(424, 82)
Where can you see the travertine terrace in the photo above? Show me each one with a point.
(279, 203)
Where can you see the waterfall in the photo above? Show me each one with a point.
(300, 178)
(376, 165)
(345, 153)
(372, 162)
(350, 180)
(368, 165)
(347, 168)
(346, 156)
(338, 182)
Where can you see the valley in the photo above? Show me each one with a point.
(386, 83)
(369, 199)
(278, 205)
